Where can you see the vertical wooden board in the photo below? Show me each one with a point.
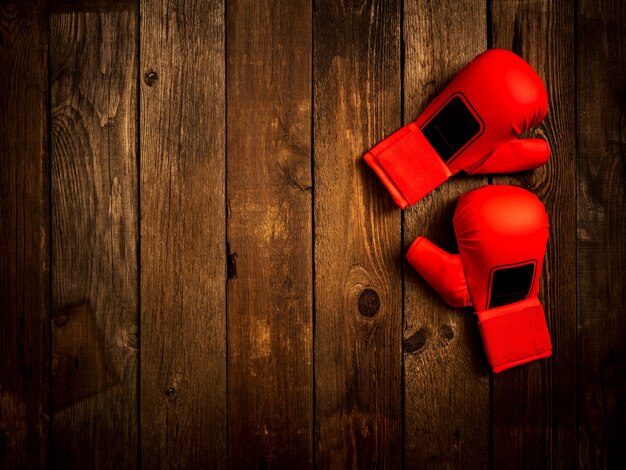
(601, 130)
(269, 233)
(358, 285)
(24, 236)
(183, 240)
(446, 373)
(94, 236)
(534, 405)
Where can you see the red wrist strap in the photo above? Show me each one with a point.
(514, 334)
(407, 165)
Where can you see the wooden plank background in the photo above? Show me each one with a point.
(270, 373)
(24, 235)
(358, 284)
(182, 383)
(94, 236)
(446, 376)
(199, 271)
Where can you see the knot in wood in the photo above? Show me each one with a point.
(60, 320)
(369, 303)
(150, 77)
(416, 341)
(130, 336)
(447, 332)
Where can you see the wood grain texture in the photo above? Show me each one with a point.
(358, 286)
(601, 130)
(534, 406)
(94, 238)
(270, 331)
(339, 355)
(24, 235)
(183, 241)
(446, 373)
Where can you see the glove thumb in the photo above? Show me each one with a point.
(442, 270)
(513, 156)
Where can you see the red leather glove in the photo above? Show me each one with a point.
(502, 233)
(473, 125)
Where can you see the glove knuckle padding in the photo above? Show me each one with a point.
(509, 97)
(499, 226)
(491, 101)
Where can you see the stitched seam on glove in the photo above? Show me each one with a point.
(392, 147)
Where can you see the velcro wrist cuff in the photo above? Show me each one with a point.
(407, 165)
(514, 334)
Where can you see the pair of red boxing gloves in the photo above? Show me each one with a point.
(502, 231)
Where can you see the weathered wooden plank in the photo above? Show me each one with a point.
(183, 240)
(601, 131)
(269, 232)
(446, 374)
(94, 236)
(533, 405)
(358, 284)
(24, 234)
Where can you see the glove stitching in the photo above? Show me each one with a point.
(401, 141)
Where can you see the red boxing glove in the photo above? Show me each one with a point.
(502, 233)
(473, 125)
